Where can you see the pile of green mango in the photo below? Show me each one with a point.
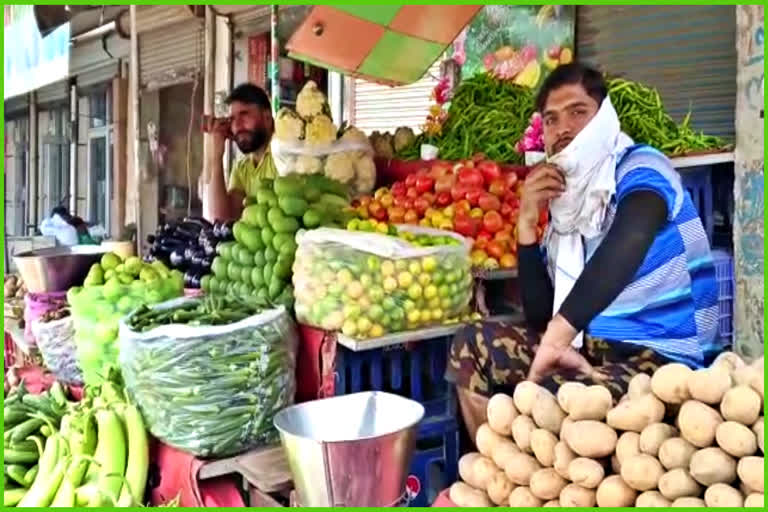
(258, 264)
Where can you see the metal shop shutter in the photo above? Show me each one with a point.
(687, 52)
(92, 65)
(53, 93)
(16, 105)
(171, 54)
(383, 108)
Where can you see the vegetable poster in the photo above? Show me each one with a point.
(522, 43)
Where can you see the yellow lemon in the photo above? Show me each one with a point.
(390, 284)
(415, 291)
(414, 267)
(387, 268)
(344, 276)
(404, 279)
(376, 331)
(429, 263)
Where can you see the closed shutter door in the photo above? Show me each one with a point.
(94, 62)
(16, 105)
(171, 55)
(56, 92)
(383, 108)
(687, 52)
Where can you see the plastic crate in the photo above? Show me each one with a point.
(698, 182)
(435, 462)
(724, 276)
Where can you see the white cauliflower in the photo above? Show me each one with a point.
(289, 126)
(311, 101)
(307, 164)
(365, 173)
(354, 135)
(340, 166)
(320, 130)
(404, 137)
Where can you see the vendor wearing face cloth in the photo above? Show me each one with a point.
(250, 125)
(623, 281)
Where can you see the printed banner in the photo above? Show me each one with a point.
(31, 61)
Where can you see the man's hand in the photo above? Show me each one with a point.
(219, 132)
(544, 183)
(555, 352)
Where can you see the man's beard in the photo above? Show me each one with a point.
(250, 141)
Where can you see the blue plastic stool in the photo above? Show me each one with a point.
(725, 287)
(435, 463)
(698, 182)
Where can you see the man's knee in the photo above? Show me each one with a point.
(473, 408)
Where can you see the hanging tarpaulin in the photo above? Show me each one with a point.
(30, 60)
(390, 44)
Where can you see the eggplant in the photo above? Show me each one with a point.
(171, 240)
(197, 258)
(203, 223)
(226, 230)
(177, 258)
(192, 279)
(209, 249)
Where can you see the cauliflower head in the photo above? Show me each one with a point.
(404, 137)
(320, 130)
(340, 166)
(311, 101)
(307, 164)
(365, 171)
(289, 127)
(354, 135)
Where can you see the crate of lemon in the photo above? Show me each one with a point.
(374, 282)
(258, 264)
(112, 289)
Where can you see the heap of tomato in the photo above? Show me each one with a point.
(476, 198)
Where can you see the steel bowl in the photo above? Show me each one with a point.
(350, 450)
(58, 268)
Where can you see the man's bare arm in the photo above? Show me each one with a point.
(218, 196)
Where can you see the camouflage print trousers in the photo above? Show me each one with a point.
(493, 357)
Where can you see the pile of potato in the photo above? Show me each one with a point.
(678, 438)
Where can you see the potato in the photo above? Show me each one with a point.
(698, 423)
(615, 464)
(487, 440)
(689, 502)
(499, 488)
(523, 497)
(642, 472)
(504, 450)
(465, 496)
(670, 383)
(653, 435)
(501, 412)
(520, 468)
(547, 484)
(466, 466)
(628, 445)
(566, 391)
(729, 361)
(525, 396)
(757, 428)
(639, 385)
(614, 492)
(754, 500)
(676, 453)
(736, 439)
(522, 427)
(563, 457)
(546, 413)
(636, 413)
(744, 375)
(722, 495)
(586, 472)
(552, 503)
(567, 422)
(483, 471)
(589, 438)
(592, 403)
(678, 483)
(543, 445)
(751, 471)
(712, 466)
(741, 404)
(652, 499)
(574, 495)
(708, 385)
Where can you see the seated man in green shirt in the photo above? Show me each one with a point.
(250, 125)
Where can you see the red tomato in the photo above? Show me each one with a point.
(459, 192)
(377, 210)
(512, 179)
(462, 206)
(396, 214)
(411, 217)
(412, 193)
(482, 239)
(424, 184)
(355, 203)
(490, 170)
(489, 202)
(408, 205)
(494, 249)
(506, 210)
(445, 183)
(429, 197)
(443, 199)
(492, 222)
(498, 187)
(420, 205)
(365, 200)
(504, 237)
(471, 178)
(441, 169)
(398, 189)
(410, 180)
(508, 261)
(387, 200)
(401, 200)
(465, 225)
(473, 196)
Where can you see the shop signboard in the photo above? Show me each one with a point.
(31, 61)
(517, 42)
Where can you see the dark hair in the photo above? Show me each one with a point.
(250, 94)
(569, 74)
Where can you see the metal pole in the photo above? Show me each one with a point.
(208, 87)
(74, 135)
(34, 167)
(134, 91)
(274, 66)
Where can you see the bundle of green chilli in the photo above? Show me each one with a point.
(212, 384)
(644, 119)
(487, 115)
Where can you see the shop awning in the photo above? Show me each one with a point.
(389, 44)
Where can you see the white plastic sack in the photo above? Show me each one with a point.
(60, 229)
(56, 342)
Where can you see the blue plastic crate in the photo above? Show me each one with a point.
(724, 276)
(435, 462)
(698, 182)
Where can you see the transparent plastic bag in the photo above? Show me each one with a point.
(367, 285)
(96, 312)
(212, 391)
(348, 161)
(35, 306)
(56, 342)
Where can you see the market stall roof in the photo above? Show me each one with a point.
(389, 44)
